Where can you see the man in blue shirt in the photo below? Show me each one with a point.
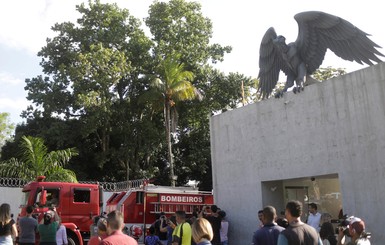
(268, 234)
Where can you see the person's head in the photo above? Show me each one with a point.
(114, 221)
(47, 218)
(180, 216)
(5, 213)
(260, 215)
(356, 227)
(201, 229)
(214, 208)
(102, 226)
(222, 214)
(325, 217)
(313, 208)
(282, 222)
(152, 230)
(29, 210)
(268, 215)
(326, 230)
(293, 210)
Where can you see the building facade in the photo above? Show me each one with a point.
(324, 145)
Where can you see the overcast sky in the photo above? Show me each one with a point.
(25, 25)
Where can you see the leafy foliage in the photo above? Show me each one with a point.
(97, 72)
(323, 74)
(35, 160)
(6, 128)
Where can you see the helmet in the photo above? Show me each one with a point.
(136, 231)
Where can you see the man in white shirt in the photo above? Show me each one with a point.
(314, 217)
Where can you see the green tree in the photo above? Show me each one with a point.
(93, 71)
(323, 74)
(172, 85)
(36, 161)
(6, 128)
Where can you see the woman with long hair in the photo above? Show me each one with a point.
(7, 225)
(327, 234)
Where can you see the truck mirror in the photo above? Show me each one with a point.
(43, 198)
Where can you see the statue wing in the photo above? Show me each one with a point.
(270, 64)
(319, 31)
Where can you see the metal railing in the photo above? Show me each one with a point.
(106, 186)
(12, 182)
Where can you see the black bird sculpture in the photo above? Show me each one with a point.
(318, 31)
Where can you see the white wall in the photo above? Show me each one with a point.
(334, 127)
(12, 196)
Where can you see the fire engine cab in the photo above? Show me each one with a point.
(78, 204)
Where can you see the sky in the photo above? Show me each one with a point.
(25, 25)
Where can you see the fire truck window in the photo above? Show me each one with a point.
(139, 197)
(52, 198)
(83, 196)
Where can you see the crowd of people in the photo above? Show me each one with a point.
(207, 226)
(317, 230)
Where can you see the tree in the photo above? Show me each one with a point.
(6, 128)
(323, 74)
(37, 161)
(172, 85)
(93, 69)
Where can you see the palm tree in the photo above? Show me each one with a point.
(37, 161)
(172, 85)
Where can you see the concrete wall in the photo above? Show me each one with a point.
(333, 127)
(12, 196)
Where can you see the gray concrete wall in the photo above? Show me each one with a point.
(12, 196)
(334, 127)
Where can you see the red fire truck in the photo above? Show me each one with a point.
(140, 206)
(78, 203)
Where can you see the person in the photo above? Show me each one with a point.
(224, 228)
(47, 230)
(171, 224)
(297, 232)
(27, 228)
(152, 239)
(260, 215)
(268, 234)
(327, 234)
(161, 223)
(356, 231)
(53, 200)
(325, 218)
(8, 229)
(202, 232)
(182, 232)
(115, 225)
(215, 222)
(282, 222)
(61, 235)
(101, 232)
(314, 218)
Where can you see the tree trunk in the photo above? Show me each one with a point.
(168, 138)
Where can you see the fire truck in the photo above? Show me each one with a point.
(78, 204)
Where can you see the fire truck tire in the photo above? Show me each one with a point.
(72, 238)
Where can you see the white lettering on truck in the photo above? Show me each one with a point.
(181, 199)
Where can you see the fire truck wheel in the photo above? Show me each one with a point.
(72, 239)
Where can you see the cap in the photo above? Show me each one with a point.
(48, 215)
(357, 224)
